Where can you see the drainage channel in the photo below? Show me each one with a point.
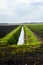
(21, 37)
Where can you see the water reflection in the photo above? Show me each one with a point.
(21, 38)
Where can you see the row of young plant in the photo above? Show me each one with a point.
(12, 37)
(30, 38)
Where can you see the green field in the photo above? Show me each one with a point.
(30, 53)
(36, 28)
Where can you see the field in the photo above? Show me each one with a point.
(37, 29)
(30, 53)
(30, 39)
(11, 38)
(5, 29)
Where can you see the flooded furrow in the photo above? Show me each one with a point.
(21, 37)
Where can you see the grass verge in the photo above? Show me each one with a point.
(30, 39)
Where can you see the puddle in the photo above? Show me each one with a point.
(21, 37)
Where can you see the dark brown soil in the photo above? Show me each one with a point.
(6, 29)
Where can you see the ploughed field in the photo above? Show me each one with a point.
(5, 29)
(30, 53)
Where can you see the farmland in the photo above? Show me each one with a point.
(5, 29)
(37, 28)
(11, 38)
(30, 53)
(30, 39)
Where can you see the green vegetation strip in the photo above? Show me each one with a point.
(30, 39)
(11, 38)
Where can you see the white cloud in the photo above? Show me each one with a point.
(21, 10)
(2, 4)
(38, 0)
(6, 7)
(24, 1)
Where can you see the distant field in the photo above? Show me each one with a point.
(36, 28)
(6, 29)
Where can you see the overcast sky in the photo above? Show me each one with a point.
(21, 11)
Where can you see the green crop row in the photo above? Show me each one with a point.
(30, 38)
(36, 28)
(12, 37)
